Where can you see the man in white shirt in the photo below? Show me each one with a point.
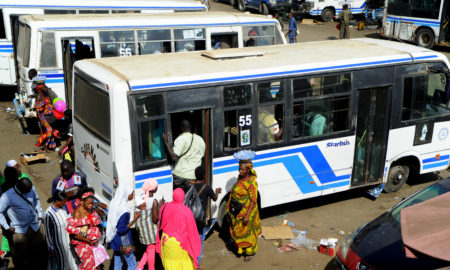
(187, 153)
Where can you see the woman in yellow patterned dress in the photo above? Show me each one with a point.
(243, 210)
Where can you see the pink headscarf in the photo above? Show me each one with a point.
(149, 185)
(178, 221)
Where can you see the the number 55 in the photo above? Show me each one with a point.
(245, 120)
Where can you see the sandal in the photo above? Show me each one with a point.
(248, 258)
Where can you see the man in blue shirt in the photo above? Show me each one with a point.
(292, 32)
(25, 233)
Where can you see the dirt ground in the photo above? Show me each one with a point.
(321, 217)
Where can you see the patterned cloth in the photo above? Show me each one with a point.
(89, 224)
(245, 236)
(48, 135)
(147, 229)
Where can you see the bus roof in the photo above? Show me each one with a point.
(90, 21)
(192, 68)
(105, 4)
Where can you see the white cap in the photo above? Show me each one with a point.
(11, 163)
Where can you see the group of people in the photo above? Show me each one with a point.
(75, 230)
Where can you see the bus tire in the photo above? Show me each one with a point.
(398, 174)
(241, 5)
(327, 15)
(425, 38)
(264, 9)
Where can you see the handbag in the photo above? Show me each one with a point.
(100, 254)
(236, 207)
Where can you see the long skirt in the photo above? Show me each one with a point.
(173, 256)
(85, 253)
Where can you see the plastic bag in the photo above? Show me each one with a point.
(194, 203)
(100, 254)
(302, 240)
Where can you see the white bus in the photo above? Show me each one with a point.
(424, 22)
(327, 9)
(381, 107)
(46, 42)
(10, 10)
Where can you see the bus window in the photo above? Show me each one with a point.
(117, 43)
(2, 25)
(125, 11)
(91, 106)
(321, 105)
(425, 8)
(48, 50)
(270, 112)
(192, 39)
(23, 44)
(237, 116)
(150, 120)
(59, 11)
(258, 35)
(99, 11)
(154, 41)
(424, 96)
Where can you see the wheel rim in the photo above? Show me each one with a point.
(398, 178)
(425, 39)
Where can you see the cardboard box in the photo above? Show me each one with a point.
(327, 250)
(31, 158)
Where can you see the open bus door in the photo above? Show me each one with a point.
(445, 23)
(371, 135)
(75, 46)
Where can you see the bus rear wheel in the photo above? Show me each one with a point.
(398, 174)
(425, 38)
(327, 15)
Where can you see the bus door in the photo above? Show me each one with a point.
(445, 22)
(224, 37)
(75, 46)
(371, 135)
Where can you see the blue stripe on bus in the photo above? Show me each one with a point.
(161, 181)
(435, 165)
(159, 25)
(173, 84)
(6, 46)
(436, 23)
(52, 75)
(54, 81)
(293, 164)
(6, 50)
(315, 11)
(433, 159)
(102, 7)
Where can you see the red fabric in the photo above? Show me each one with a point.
(425, 228)
(178, 221)
(86, 254)
(92, 220)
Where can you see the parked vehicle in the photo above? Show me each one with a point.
(264, 7)
(379, 245)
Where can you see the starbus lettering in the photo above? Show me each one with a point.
(337, 144)
(88, 152)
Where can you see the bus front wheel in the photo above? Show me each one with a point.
(398, 174)
(425, 38)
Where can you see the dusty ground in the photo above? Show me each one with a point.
(322, 217)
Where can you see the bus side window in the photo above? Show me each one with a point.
(259, 35)
(192, 39)
(270, 112)
(48, 50)
(154, 41)
(425, 96)
(117, 43)
(2, 25)
(237, 116)
(59, 11)
(321, 105)
(150, 122)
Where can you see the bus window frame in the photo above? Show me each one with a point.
(350, 94)
(135, 132)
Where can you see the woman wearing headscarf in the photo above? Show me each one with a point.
(58, 241)
(179, 245)
(243, 209)
(83, 230)
(44, 110)
(118, 228)
(147, 217)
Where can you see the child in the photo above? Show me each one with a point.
(146, 217)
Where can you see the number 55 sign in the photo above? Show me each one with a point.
(125, 52)
(245, 124)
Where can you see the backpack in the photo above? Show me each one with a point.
(192, 200)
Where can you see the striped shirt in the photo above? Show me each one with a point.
(58, 239)
(147, 229)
